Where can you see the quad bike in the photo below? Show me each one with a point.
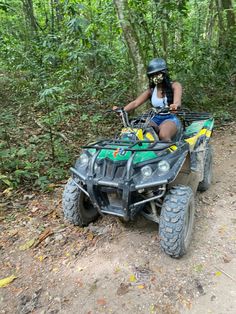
(136, 173)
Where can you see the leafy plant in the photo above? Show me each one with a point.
(63, 63)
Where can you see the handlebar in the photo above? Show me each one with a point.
(144, 119)
(123, 114)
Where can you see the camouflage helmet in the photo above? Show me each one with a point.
(156, 65)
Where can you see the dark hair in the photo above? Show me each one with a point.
(166, 87)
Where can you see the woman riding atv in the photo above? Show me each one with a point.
(162, 93)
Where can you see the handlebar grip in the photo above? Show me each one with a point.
(121, 109)
(108, 111)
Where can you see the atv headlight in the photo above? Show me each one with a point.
(146, 171)
(84, 159)
(163, 166)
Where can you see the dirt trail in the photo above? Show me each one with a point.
(114, 268)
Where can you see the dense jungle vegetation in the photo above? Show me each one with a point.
(64, 62)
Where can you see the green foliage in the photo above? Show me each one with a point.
(61, 64)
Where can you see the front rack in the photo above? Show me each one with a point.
(193, 116)
(185, 115)
(126, 146)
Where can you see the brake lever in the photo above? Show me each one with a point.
(108, 111)
(117, 111)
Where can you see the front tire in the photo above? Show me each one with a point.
(77, 207)
(176, 221)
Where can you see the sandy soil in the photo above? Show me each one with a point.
(114, 268)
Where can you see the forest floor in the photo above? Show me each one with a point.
(113, 268)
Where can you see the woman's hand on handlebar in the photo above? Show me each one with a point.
(173, 107)
(118, 110)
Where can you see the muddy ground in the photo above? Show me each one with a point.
(114, 268)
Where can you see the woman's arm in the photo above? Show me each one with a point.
(177, 95)
(138, 101)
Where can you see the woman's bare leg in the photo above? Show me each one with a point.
(167, 130)
(155, 126)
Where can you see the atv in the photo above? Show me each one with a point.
(137, 174)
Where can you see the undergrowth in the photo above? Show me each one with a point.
(41, 134)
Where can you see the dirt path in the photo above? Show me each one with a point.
(112, 268)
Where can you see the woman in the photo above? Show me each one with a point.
(162, 93)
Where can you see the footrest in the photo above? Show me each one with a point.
(113, 210)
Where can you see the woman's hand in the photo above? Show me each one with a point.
(174, 107)
(114, 108)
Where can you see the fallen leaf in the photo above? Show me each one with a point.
(79, 283)
(34, 209)
(28, 196)
(132, 278)
(218, 273)
(8, 192)
(188, 304)
(153, 279)
(27, 245)
(185, 302)
(93, 287)
(198, 268)
(123, 289)
(47, 232)
(41, 258)
(90, 236)
(12, 233)
(141, 286)
(52, 185)
(199, 287)
(227, 259)
(48, 213)
(152, 309)
(117, 269)
(222, 230)
(5, 281)
(101, 302)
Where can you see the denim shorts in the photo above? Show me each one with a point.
(159, 119)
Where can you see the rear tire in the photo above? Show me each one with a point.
(176, 221)
(77, 207)
(207, 172)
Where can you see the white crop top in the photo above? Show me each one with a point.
(158, 102)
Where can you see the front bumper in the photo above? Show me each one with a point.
(103, 179)
(128, 189)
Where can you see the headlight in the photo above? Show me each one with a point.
(84, 159)
(163, 166)
(146, 171)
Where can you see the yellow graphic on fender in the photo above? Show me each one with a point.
(137, 132)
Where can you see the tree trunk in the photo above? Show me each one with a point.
(228, 7)
(29, 15)
(164, 29)
(59, 14)
(132, 41)
(220, 23)
(210, 20)
(52, 17)
(225, 31)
